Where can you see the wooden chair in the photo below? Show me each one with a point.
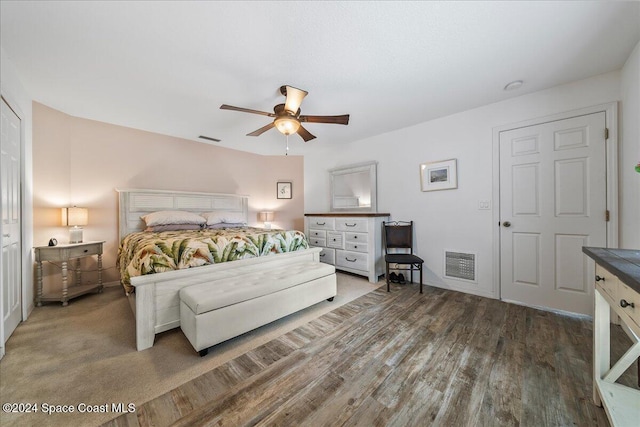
(398, 248)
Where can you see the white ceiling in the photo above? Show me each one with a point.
(167, 66)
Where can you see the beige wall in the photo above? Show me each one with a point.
(81, 162)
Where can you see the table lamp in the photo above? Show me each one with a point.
(75, 217)
(266, 217)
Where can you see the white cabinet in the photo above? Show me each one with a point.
(617, 289)
(352, 242)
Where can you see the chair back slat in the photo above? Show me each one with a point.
(398, 235)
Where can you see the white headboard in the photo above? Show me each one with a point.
(133, 203)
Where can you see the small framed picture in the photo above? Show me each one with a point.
(284, 190)
(441, 175)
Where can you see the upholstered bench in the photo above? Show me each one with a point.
(220, 309)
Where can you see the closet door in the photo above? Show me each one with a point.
(552, 203)
(11, 214)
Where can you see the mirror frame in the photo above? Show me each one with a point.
(371, 168)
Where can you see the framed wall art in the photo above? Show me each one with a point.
(442, 175)
(284, 190)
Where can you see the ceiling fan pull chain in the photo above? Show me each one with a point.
(287, 152)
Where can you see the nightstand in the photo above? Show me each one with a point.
(63, 254)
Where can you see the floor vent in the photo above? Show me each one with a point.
(459, 265)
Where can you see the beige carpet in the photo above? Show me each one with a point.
(85, 354)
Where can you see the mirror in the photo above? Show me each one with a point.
(353, 188)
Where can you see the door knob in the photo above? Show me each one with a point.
(506, 224)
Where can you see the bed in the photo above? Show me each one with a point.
(153, 285)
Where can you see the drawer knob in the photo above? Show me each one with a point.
(355, 237)
(321, 255)
(356, 247)
(350, 260)
(317, 223)
(598, 278)
(349, 225)
(86, 250)
(624, 304)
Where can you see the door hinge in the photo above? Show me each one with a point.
(606, 133)
(606, 215)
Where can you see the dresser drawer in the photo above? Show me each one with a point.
(355, 260)
(334, 240)
(608, 282)
(321, 223)
(631, 297)
(320, 234)
(317, 242)
(356, 246)
(351, 224)
(328, 256)
(356, 237)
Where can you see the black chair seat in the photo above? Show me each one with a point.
(403, 259)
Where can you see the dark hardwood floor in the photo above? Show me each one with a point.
(402, 359)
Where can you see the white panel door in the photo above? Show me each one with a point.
(11, 233)
(552, 202)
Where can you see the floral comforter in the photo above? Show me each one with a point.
(150, 252)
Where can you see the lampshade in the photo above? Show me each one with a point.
(287, 125)
(266, 216)
(75, 216)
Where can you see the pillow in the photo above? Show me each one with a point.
(226, 225)
(172, 217)
(224, 217)
(174, 227)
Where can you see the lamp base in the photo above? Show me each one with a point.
(75, 235)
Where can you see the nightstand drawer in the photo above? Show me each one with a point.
(84, 250)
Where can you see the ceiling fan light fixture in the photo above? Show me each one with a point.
(294, 98)
(287, 125)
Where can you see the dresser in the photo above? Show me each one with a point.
(351, 242)
(617, 290)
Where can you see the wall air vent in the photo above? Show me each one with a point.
(460, 266)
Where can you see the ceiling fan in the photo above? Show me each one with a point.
(287, 117)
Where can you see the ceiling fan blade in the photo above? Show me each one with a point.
(305, 134)
(294, 98)
(338, 120)
(246, 110)
(262, 130)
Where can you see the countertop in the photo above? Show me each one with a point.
(624, 263)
